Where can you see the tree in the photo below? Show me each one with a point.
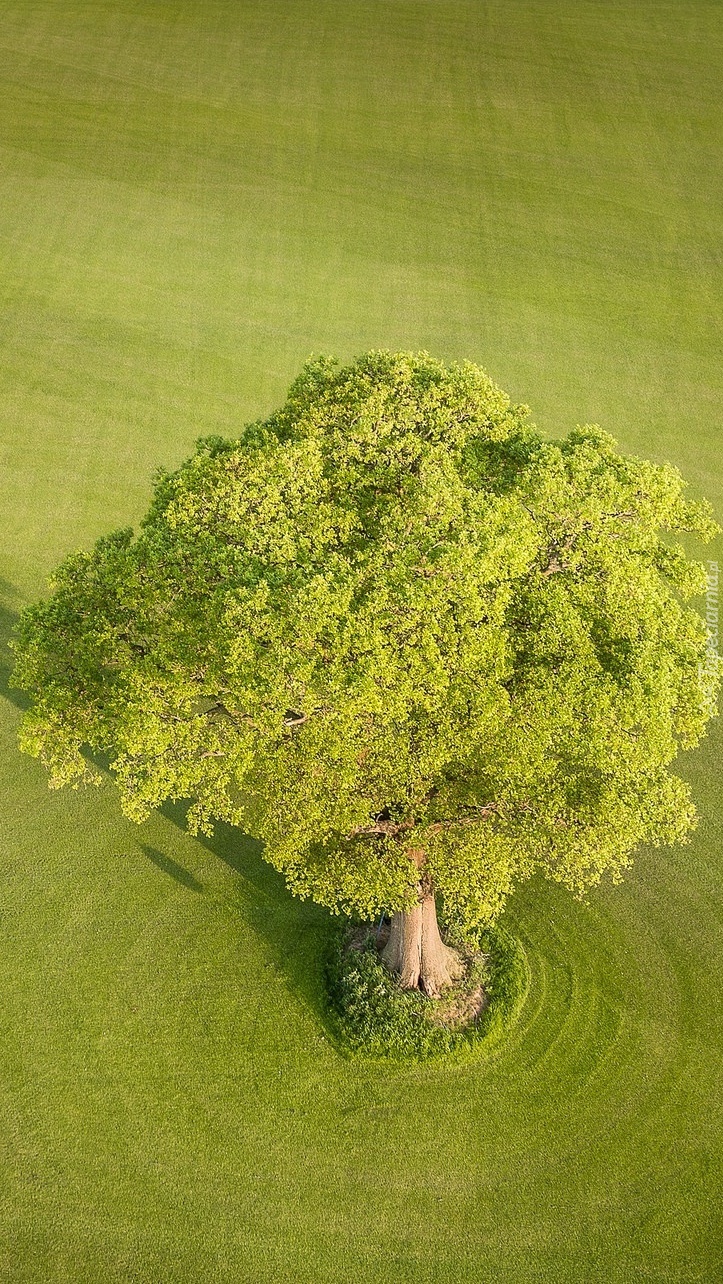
(416, 648)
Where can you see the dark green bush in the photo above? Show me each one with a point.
(373, 1015)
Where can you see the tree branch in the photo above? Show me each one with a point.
(554, 566)
(384, 828)
(292, 719)
(220, 707)
(478, 813)
(381, 828)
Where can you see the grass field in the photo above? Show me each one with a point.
(193, 198)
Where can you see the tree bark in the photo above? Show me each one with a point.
(416, 953)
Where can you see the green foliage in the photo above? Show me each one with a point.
(373, 1015)
(391, 616)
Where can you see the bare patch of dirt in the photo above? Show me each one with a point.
(465, 1003)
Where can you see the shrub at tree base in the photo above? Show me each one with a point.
(372, 1014)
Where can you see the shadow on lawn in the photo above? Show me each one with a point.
(10, 604)
(171, 867)
(297, 933)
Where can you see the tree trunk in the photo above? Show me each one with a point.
(416, 953)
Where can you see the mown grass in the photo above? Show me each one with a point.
(194, 198)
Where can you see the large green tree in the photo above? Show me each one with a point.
(414, 647)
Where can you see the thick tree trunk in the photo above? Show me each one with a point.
(416, 953)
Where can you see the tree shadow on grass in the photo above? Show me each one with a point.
(10, 604)
(172, 868)
(297, 933)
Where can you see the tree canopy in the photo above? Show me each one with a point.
(391, 617)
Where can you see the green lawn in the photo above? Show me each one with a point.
(194, 197)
